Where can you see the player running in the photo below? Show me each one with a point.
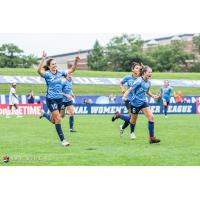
(165, 95)
(13, 101)
(67, 104)
(54, 96)
(138, 90)
(128, 80)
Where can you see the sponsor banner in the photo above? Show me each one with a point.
(95, 81)
(94, 99)
(94, 109)
(198, 107)
(24, 109)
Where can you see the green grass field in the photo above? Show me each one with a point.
(90, 89)
(30, 141)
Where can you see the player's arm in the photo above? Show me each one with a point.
(15, 95)
(41, 69)
(127, 93)
(67, 95)
(122, 88)
(74, 66)
(153, 95)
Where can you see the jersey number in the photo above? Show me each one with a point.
(54, 106)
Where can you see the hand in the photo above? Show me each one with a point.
(123, 91)
(124, 98)
(44, 55)
(77, 58)
(156, 97)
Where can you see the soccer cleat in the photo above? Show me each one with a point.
(72, 130)
(116, 116)
(153, 140)
(133, 136)
(65, 143)
(41, 114)
(7, 116)
(121, 130)
(166, 116)
(19, 116)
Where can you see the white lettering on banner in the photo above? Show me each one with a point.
(105, 109)
(97, 81)
(155, 109)
(114, 81)
(81, 110)
(24, 109)
(180, 109)
(79, 80)
(9, 79)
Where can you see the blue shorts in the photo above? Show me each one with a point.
(54, 104)
(127, 104)
(66, 104)
(136, 110)
(167, 101)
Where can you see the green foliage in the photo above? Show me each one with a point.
(196, 41)
(96, 59)
(170, 57)
(122, 50)
(11, 56)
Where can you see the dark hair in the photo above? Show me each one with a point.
(145, 69)
(48, 62)
(134, 64)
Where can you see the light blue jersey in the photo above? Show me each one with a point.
(138, 94)
(128, 80)
(66, 89)
(54, 86)
(166, 91)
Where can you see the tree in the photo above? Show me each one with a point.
(11, 56)
(96, 58)
(170, 57)
(123, 50)
(196, 41)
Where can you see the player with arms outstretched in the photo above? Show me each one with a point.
(53, 78)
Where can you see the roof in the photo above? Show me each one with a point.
(71, 53)
(170, 37)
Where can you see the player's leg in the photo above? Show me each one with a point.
(48, 115)
(149, 115)
(62, 111)
(125, 118)
(55, 107)
(71, 112)
(134, 115)
(133, 121)
(17, 111)
(165, 104)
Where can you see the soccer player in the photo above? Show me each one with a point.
(165, 95)
(53, 78)
(13, 101)
(67, 104)
(138, 90)
(128, 80)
